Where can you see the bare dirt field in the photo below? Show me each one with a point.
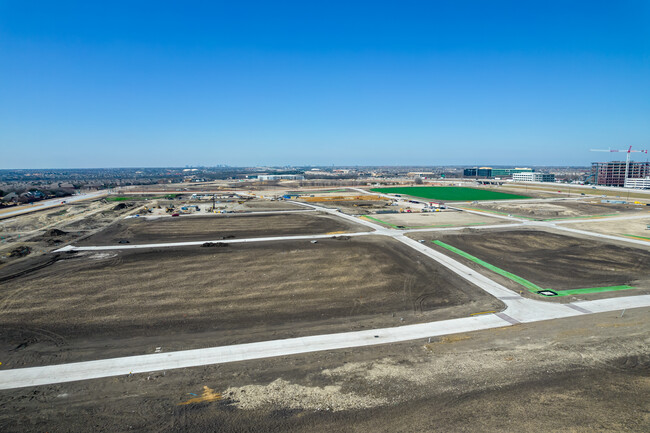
(98, 304)
(582, 374)
(50, 229)
(234, 204)
(263, 205)
(559, 209)
(24, 225)
(633, 228)
(573, 191)
(356, 207)
(552, 260)
(215, 227)
(436, 219)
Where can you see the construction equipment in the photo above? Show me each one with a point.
(627, 160)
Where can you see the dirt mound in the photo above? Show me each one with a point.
(53, 233)
(281, 393)
(122, 206)
(20, 251)
(214, 244)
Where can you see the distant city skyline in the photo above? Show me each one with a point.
(151, 84)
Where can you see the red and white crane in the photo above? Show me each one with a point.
(627, 160)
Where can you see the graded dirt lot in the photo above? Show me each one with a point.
(235, 205)
(582, 374)
(435, 219)
(559, 209)
(98, 304)
(21, 226)
(262, 205)
(50, 229)
(633, 228)
(217, 226)
(356, 207)
(552, 260)
(572, 191)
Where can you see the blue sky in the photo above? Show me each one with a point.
(111, 84)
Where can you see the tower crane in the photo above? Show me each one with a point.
(627, 160)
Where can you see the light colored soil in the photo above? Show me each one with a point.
(581, 374)
(357, 207)
(635, 227)
(559, 209)
(283, 394)
(27, 224)
(70, 222)
(444, 218)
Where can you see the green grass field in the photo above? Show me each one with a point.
(449, 193)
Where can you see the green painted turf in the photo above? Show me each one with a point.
(449, 193)
(516, 278)
(532, 287)
(377, 220)
(592, 290)
(638, 237)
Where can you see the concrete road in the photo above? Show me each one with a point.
(46, 375)
(518, 310)
(195, 243)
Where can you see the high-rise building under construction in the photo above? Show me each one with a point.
(613, 173)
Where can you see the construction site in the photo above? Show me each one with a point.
(233, 310)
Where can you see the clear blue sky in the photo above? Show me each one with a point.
(155, 83)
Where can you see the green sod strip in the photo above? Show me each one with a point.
(591, 290)
(530, 286)
(380, 221)
(638, 237)
(527, 284)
